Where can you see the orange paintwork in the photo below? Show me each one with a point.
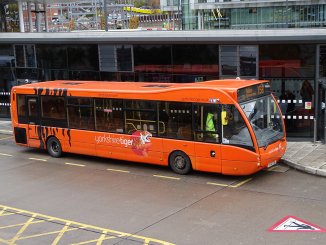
(229, 159)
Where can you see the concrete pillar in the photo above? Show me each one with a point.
(46, 16)
(105, 16)
(30, 21)
(21, 16)
(199, 20)
(38, 17)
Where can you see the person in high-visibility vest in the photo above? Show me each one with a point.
(210, 125)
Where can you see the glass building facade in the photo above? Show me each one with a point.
(291, 68)
(236, 14)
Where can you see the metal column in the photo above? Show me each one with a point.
(105, 16)
(46, 16)
(30, 21)
(21, 16)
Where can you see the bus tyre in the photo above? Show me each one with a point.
(54, 147)
(180, 162)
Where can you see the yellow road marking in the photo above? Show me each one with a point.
(212, 183)
(6, 214)
(7, 155)
(99, 241)
(103, 231)
(4, 241)
(24, 227)
(75, 164)
(16, 225)
(166, 177)
(272, 168)
(118, 170)
(6, 138)
(38, 159)
(240, 183)
(64, 229)
(230, 186)
(3, 210)
(45, 234)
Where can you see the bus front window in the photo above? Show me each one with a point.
(265, 119)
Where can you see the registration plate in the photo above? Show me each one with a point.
(271, 164)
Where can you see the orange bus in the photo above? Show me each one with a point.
(233, 127)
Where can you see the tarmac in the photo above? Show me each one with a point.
(303, 155)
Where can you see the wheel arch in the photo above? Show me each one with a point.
(181, 153)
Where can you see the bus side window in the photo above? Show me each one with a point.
(141, 116)
(116, 122)
(81, 113)
(109, 115)
(52, 111)
(179, 120)
(163, 119)
(100, 114)
(207, 123)
(21, 108)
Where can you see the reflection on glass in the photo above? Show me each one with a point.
(229, 60)
(265, 119)
(83, 57)
(287, 60)
(52, 57)
(152, 58)
(195, 59)
(30, 56)
(322, 61)
(234, 130)
(248, 56)
(20, 57)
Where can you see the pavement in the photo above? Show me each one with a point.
(303, 155)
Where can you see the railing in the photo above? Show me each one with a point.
(138, 124)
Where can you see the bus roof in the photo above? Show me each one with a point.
(228, 85)
(221, 90)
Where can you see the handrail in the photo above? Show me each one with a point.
(141, 122)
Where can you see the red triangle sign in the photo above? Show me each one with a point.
(293, 224)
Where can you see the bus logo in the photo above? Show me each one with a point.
(141, 142)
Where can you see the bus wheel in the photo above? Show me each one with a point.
(54, 147)
(180, 162)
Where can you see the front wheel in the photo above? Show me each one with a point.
(54, 147)
(180, 162)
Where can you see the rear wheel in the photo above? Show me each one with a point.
(180, 162)
(54, 147)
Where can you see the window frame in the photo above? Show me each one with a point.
(96, 118)
(238, 61)
(52, 121)
(129, 109)
(24, 54)
(91, 106)
(218, 123)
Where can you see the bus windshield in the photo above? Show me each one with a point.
(265, 119)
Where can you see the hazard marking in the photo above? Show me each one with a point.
(18, 226)
(294, 224)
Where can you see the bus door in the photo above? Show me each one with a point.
(238, 155)
(207, 135)
(33, 114)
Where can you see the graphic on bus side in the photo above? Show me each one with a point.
(139, 141)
